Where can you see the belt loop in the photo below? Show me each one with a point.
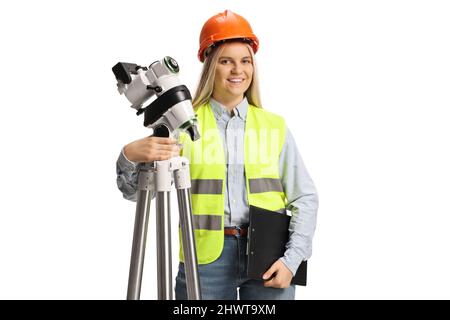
(238, 235)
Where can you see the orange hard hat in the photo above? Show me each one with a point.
(225, 26)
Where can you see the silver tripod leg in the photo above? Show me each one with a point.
(163, 246)
(139, 236)
(183, 185)
(163, 184)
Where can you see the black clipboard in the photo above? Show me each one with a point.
(268, 234)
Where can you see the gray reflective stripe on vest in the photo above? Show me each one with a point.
(206, 186)
(265, 185)
(207, 222)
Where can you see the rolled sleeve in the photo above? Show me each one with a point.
(127, 177)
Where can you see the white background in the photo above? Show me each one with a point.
(364, 86)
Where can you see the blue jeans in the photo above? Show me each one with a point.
(221, 279)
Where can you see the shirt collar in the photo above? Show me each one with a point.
(219, 110)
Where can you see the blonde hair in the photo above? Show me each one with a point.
(206, 83)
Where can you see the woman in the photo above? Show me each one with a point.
(246, 156)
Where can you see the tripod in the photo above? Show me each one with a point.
(171, 111)
(160, 173)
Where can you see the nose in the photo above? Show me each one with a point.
(237, 68)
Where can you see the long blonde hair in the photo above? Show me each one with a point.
(206, 83)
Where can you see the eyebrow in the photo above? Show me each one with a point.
(224, 57)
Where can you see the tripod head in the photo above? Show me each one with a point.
(171, 110)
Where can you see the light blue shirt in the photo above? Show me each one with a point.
(301, 195)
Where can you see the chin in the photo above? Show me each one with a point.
(237, 91)
(236, 94)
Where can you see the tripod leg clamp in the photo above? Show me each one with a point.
(145, 180)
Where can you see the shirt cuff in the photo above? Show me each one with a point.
(291, 260)
(125, 163)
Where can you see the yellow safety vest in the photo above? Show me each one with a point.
(264, 139)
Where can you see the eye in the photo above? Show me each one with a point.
(224, 61)
(247, 61)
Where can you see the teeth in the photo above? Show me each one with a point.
(235, 80)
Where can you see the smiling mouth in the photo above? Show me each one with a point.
(235, 81)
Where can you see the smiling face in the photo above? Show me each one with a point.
(233, 75)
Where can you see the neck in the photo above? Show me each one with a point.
(228, 102)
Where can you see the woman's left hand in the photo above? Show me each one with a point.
(282, 276)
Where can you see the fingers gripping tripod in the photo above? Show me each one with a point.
(170, 113)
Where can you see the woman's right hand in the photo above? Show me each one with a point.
(151, 149)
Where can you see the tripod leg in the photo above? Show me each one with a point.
(183, 184)
(138, 249)
(188, 242)
(163, 245)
